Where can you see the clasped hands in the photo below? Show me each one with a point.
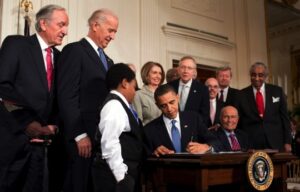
(192, 147)
(36, 132)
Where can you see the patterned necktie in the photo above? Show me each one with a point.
(103, 58)
(175, 137)
(235, 146)
(212, 112)
(183, 98)
(260, 103)
(49, 67)
(221, 98)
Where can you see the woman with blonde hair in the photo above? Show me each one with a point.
(153, 75)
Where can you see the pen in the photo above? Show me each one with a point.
(192, 137)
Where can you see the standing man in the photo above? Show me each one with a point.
(27, 71)
(227, 95)
(117, 164)
(193, 96)
(81, 92)
(215, 104)
(263, 112)
(230, 138)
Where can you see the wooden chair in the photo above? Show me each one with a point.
(293, 180)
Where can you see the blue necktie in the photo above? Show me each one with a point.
(134, 113)
(103, 58)
(175, 137)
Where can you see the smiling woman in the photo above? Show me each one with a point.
(153, 75)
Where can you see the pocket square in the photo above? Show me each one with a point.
(275, 99)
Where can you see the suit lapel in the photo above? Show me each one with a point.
(162, 132)
(185, 134)
(37, 56)
(92, 54)
(224, 140)
(190, 97)
(268, 99)
(251, 99)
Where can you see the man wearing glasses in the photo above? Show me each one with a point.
(263, 112)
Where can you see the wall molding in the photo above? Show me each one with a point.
(197, 35)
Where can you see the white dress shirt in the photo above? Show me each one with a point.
(44, 46)
(263, 92)
(168, 123)
(113, 122)
(225, 93)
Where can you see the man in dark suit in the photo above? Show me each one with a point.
(176, 131)
(27, 71)
(230, 138)
(81, 92)
(215, 104)
(227, 94)
(193, 95)
(263, 112)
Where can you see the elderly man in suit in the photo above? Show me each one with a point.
(81, 92)
(230, 138)
(227, 94)
(263, 112)
(193, 95)
(27, 73)
(174, 131)
(215, 104)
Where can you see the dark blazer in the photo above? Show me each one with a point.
(81, 88)
(224, 144)
(192, 128)
(198, 99)
(219, 106)
(273, 129)
(23, 81)
(232, 96)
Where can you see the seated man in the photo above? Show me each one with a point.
(230, 138)
(174, 131)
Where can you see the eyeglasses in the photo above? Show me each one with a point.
(230, 116)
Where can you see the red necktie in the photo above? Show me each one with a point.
(260, 103)
(235, 146)
(49, 67)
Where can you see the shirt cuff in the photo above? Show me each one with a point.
(79, 137)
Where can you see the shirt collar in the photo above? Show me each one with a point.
(262, 88)
(167, 120)
(92, 43)
(188, 84)
(228, 133)
(121, 96)
(41, 41)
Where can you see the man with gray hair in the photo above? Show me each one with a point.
(27, 86)
(81, 92)
(263, 112)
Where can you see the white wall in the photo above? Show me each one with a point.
(143, 34)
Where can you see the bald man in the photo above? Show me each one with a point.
(230, 138)
(215, 104)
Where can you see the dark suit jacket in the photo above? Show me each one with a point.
(224, 144)
(23, 73)
(274, 127)
(232, 96)
(198, 99)
(81, 88)
(219, 106)
(192, 127)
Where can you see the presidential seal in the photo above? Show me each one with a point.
(260, 170)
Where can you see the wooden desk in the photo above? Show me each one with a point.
(202, 171)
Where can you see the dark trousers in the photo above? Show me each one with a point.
(26, 172)
(78, 174)
(104, 180)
